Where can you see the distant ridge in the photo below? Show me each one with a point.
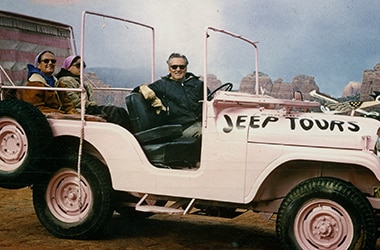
(122, 78)
(132, 77)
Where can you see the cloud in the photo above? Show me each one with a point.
(324, 39)
(56, 2)
(334, 41)
(180, 27)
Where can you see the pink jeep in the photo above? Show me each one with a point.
(316, 174)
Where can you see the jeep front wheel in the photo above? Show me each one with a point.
(69, 208)
(326, 213)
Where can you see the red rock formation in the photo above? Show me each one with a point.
(248, 83)
(351, 89)
(370, 83)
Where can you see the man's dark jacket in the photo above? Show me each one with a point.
(182, 99)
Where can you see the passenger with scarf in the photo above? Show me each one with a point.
(69, 76)
(41, 75)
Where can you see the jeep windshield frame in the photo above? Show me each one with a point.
(82, 79)
(104, 16)
(205, 89)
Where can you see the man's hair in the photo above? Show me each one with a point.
(177, 55)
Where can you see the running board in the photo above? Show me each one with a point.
(173, 209)
(158, 209)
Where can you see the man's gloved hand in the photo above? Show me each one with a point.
(147, 92)
(150, 95)
(156, 103)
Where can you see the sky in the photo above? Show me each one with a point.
(332, 40)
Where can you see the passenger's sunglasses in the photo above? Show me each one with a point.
(53, 61)
(78, 65)
(176, 66)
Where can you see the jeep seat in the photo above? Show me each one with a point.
(161, 142)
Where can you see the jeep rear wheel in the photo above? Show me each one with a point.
(69, 212)
(25, 136)
(326, 213)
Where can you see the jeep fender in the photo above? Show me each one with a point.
(292, 167)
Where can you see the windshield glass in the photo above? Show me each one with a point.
(118, 54)
(230, 59)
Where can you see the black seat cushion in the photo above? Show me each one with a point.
(162, 143)
(159, 134)
(142, 116)
(183, 150)
(148, 126)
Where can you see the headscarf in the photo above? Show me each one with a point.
(68, 62)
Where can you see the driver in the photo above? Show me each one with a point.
(178, 96)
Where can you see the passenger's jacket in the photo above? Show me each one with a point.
(181, 99)
(47, 101)
(72, 81)
(114, 114)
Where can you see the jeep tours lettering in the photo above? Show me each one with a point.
(245, 121)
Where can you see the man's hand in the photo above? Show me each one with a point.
(150, 95)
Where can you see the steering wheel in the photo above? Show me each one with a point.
(227, 87)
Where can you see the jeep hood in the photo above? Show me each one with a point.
(315, 130)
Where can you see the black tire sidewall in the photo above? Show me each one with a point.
(355, 204)
(39, 136)
(97, 176)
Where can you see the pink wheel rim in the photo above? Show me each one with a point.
(323, 224)
(63, 198)
(13, 145)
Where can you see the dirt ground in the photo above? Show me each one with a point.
(20, 229)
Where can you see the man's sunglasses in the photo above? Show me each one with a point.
(53, 61)
(176, 66)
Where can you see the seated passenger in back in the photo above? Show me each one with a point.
(41, 75)
(69, 76)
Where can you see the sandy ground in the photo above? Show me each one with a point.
(20, 229)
